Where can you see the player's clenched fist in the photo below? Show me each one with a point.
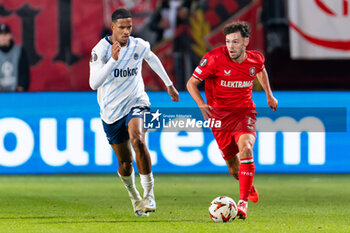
(116, 50)
(272, 102)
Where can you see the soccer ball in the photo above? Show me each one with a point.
(223, 209)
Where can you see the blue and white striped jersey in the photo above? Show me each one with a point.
(123, 88)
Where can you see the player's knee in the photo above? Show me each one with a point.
(137, 141)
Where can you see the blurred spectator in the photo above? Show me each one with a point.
(184, 57)
(171, 21)
(14, 67)
(163, 21)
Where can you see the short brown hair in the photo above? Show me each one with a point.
(240, 26)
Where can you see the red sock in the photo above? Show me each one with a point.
(246, 176)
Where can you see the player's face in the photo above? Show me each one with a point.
(121, 30)
(5, 39)
(236, 45)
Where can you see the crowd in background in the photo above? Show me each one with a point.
(170, 22)
(180, 33)
(14, 66)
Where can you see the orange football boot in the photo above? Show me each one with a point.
(253, 194)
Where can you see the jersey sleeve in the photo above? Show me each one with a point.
(96, 58)
(99, 69)
(260, 61)
(205, 69)
(156, 65)
(147, 47)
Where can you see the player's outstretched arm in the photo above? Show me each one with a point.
(156, 65)
(194, 92)
(264, 81)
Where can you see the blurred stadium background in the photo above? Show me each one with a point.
(55, 127)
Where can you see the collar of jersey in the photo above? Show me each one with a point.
(106, 37)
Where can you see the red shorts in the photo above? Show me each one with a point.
(233, 126)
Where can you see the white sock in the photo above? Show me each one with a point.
(240, 201)
(129, 183)
(147, 183)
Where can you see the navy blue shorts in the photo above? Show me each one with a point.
(117, 132)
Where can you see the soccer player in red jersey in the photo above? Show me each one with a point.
(229, 72)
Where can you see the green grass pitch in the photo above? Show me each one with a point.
(99, 203)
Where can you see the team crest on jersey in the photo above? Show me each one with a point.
(252, 71)
(136, 56)
(203, 62)
(93, 57)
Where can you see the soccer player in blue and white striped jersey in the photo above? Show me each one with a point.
(115, 72)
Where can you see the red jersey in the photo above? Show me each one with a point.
(228, 83)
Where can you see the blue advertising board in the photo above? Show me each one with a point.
(54, 132)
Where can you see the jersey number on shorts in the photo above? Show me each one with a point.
(249, 120)
(136, 112)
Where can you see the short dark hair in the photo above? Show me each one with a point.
(4, 29)
(121, 13)
(240, 26)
